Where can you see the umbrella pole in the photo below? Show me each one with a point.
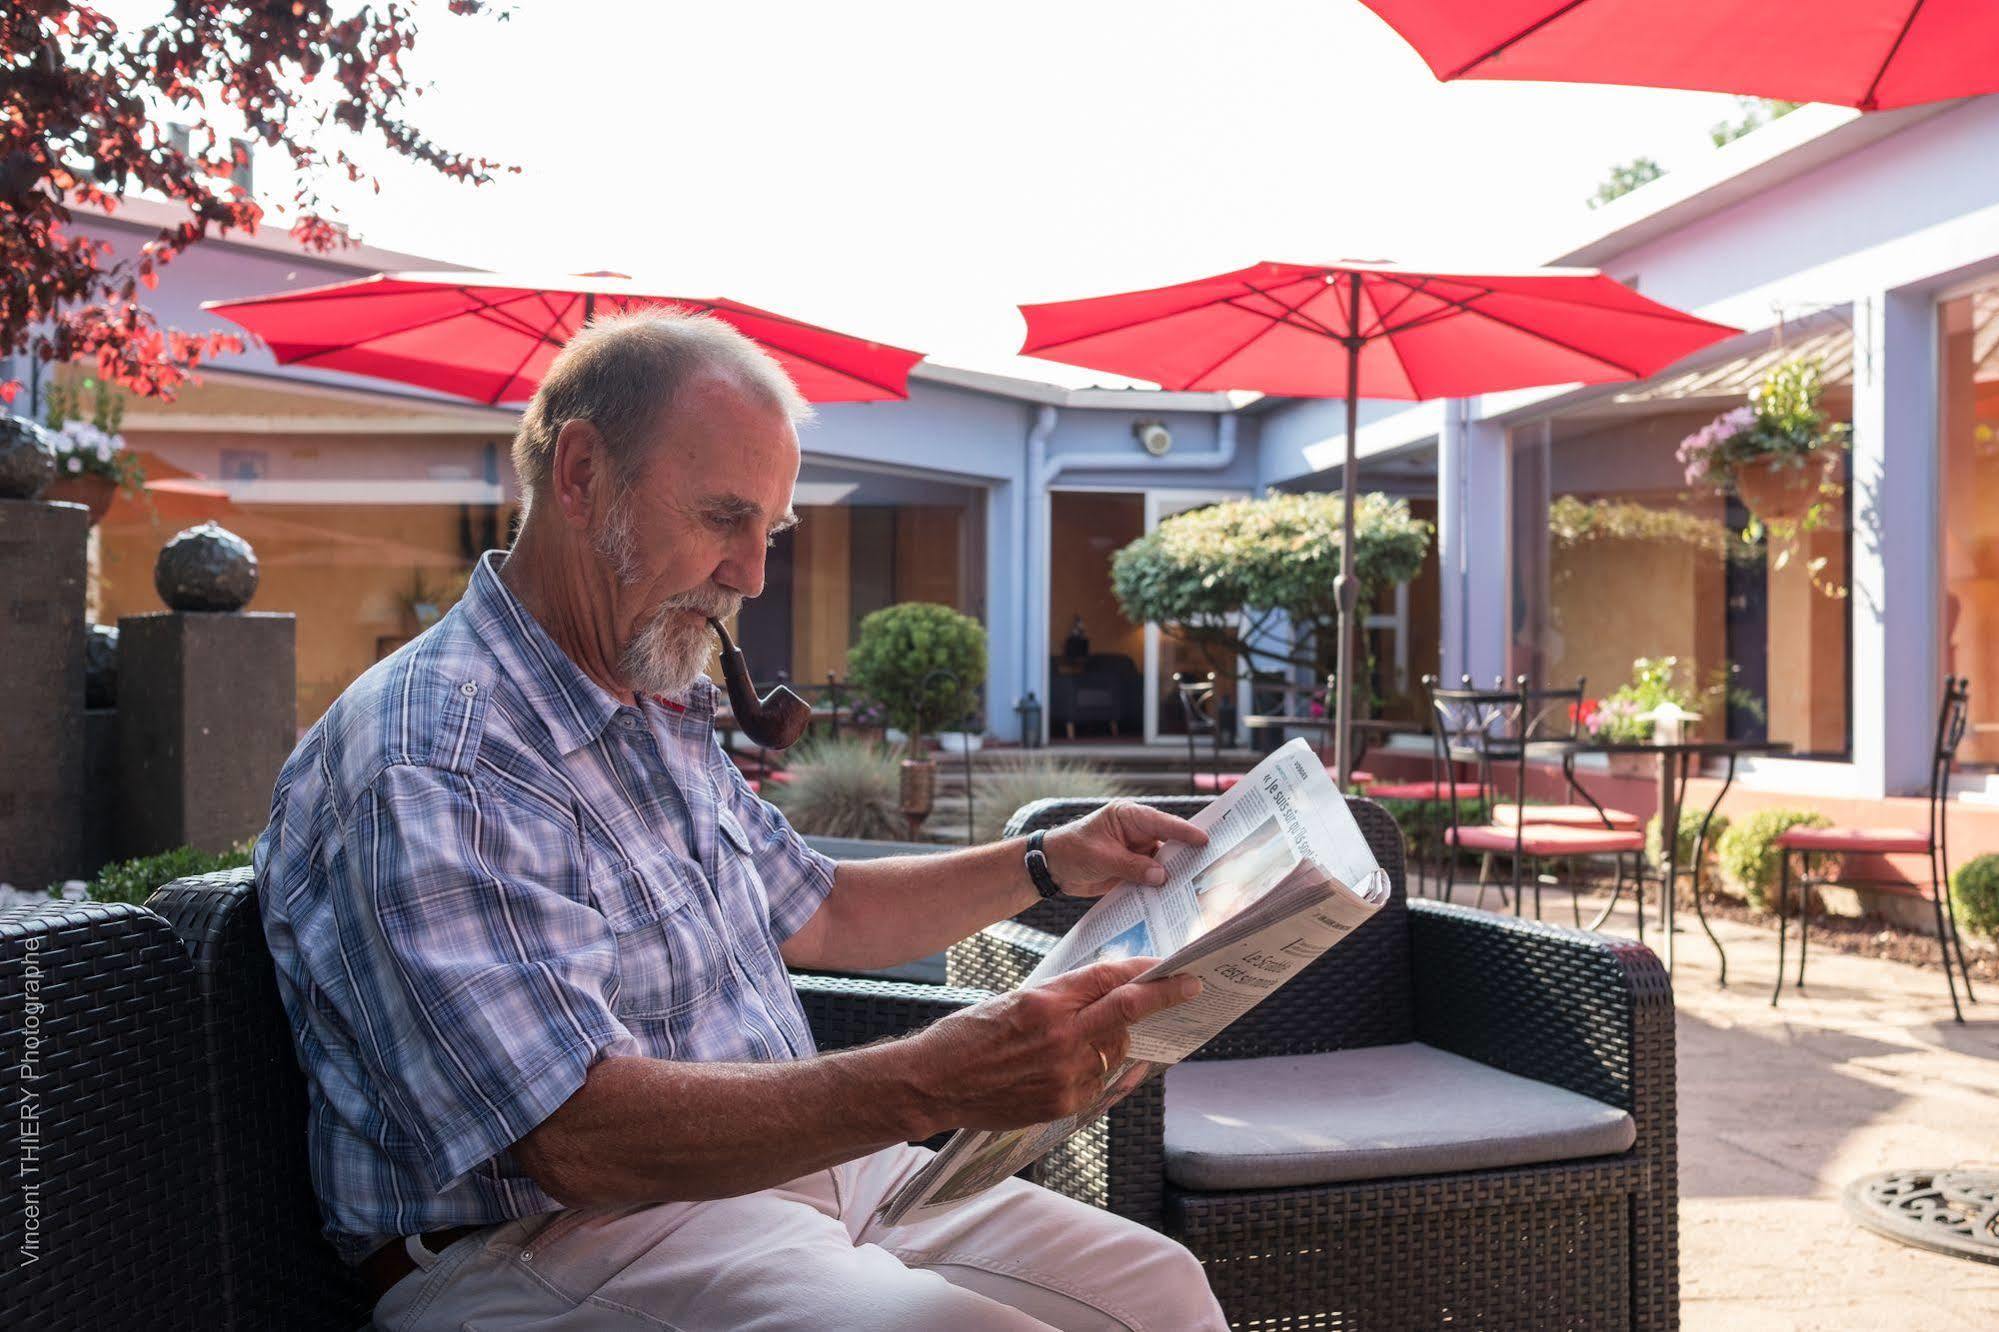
(1346, 587)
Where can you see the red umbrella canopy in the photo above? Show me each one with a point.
(1872, 54)
(1280, 329)
(490, 336)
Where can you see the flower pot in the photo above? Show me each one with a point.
(918, 791)
(1631, 765)
(1778, 490)
(92, 491)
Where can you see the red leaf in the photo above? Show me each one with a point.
(8, 390)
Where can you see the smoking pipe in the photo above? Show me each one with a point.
(774, 721)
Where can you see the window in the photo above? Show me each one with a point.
(1969, 531)
(1616, 557)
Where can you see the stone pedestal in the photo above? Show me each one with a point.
(42, 574)
(100, 787)
(207, 714)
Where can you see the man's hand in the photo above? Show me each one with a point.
(1033, 1055)
(1117, 844)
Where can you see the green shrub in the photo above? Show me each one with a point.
(842, 788)
(1006, 782)
(1974, 895)
(1748, 851)
(1423, 821)
(1690, 831)
(898, 649)
(134, 880)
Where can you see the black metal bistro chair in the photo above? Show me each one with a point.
(1496, 730)
(1806, 843)
(1198, 700)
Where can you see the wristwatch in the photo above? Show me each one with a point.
(1037, 867)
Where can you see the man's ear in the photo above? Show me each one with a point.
(575, 472)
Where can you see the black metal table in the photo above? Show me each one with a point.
(1676, 763)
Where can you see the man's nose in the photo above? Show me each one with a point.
(742, 570)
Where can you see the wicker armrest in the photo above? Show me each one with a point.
(848, 1010)
(999, 957)
(1583, 1011)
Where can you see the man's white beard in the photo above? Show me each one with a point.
(670, 652)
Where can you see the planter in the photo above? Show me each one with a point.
(1631, 765)
(92, 491)
(919, 792)
(1778, 490)
(960, 742)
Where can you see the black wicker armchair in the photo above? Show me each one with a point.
(1580, 1241)
(170, 1115)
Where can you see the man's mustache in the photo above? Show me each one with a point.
(712, 602)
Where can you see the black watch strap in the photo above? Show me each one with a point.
(1037, 867)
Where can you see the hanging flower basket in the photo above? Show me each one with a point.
(91, 489)
(1781, 489)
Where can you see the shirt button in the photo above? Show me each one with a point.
(468, 689)
(628, 722)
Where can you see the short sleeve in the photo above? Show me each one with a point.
(480, 986)
(796, 878)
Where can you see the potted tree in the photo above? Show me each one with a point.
(926, 665)
(1777, 452)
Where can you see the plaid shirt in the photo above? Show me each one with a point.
(482, 874)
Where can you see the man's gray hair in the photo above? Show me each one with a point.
(621, 373)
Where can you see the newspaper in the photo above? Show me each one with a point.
(1286, 874)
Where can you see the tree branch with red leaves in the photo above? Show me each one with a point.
(86, 114)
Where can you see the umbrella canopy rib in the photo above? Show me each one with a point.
(1874, 84)
(1515, 39)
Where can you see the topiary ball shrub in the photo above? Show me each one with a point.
(842, 788)
(1974, 895)
(898, 654)
(1748, 853)
(1690, 831)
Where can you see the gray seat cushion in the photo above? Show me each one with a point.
(1384, 1112)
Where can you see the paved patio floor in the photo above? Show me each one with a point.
(1780, 1108)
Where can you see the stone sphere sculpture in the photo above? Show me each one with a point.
(206, 568)
(27, 458)
(100, 667)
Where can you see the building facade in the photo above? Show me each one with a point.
(1569, 542)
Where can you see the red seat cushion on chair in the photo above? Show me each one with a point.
(1882, 841)
(1565, 816)
(778, 775)
(1210, 783)
(1545, 839)
(1424, 790)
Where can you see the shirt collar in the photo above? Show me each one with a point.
(573, 707)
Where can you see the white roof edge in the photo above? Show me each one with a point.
(1055, 395)
(153, 214)
(1784, 148)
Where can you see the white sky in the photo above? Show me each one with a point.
(910, 171)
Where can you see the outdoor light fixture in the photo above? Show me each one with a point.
(1669, 722)
(1028, 709)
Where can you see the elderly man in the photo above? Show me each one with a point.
(531, 928)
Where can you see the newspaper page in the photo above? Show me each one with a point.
(1286, 874)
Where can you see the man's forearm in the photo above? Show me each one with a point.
(885, 912)
(651, 1130)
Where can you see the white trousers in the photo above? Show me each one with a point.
(809, 1254)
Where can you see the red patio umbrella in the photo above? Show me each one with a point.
(490, 336)
(1871, 54)
(1399, 333)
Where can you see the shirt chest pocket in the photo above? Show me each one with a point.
(669, 958)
